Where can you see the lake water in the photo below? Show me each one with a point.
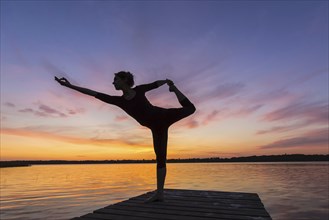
(289, 191)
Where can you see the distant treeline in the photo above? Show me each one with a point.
(269, 158)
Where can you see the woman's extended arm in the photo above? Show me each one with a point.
(155, 84)
(161, 82)
(65, 82)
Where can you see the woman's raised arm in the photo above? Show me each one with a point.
(66, 83)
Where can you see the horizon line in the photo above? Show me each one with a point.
(192, 158)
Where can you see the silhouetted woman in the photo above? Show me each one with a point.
(134, 103)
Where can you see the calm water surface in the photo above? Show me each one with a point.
(289, 191)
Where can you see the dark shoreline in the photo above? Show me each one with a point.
(265, 158)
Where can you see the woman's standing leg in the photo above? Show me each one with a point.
(160, 140)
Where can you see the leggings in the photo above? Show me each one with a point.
(160, 129)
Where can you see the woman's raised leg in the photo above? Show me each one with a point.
(176, 114)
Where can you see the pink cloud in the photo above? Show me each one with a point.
(191, 123)
(121, 118)
(210, 117)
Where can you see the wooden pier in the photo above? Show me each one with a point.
(183, 204)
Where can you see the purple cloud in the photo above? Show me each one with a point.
(9, 104)
(226, 113)
(246, 110)
(318, 137)
(43, 111)
(75, 111)
(309, 76)
(47, 111)
(227, 90)
(26, 110)
(311, 112)
(222, 91)
(276, 129)
(206, 94)
(50, 111)
(273, 96)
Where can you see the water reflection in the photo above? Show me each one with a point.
(288, 190)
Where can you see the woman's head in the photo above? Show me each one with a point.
(126, 77)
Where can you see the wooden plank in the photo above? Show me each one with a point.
(196, 207)
(113, 216)
(181, 204)
(229, 195)
(144, 211)
(210, 198)
(198, 193)
(191, 205)
(215, 206)
(213, 193)
(210, 201)
(84, 218)
(232, 195)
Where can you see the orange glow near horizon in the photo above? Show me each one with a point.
(52, 147)
(29, 145)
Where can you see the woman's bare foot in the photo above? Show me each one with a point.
(172, 88)
(157, 197)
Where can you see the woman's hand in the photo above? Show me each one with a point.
(171, 85)
(169, 82)
(63, 81)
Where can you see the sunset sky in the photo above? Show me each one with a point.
(257, 72)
